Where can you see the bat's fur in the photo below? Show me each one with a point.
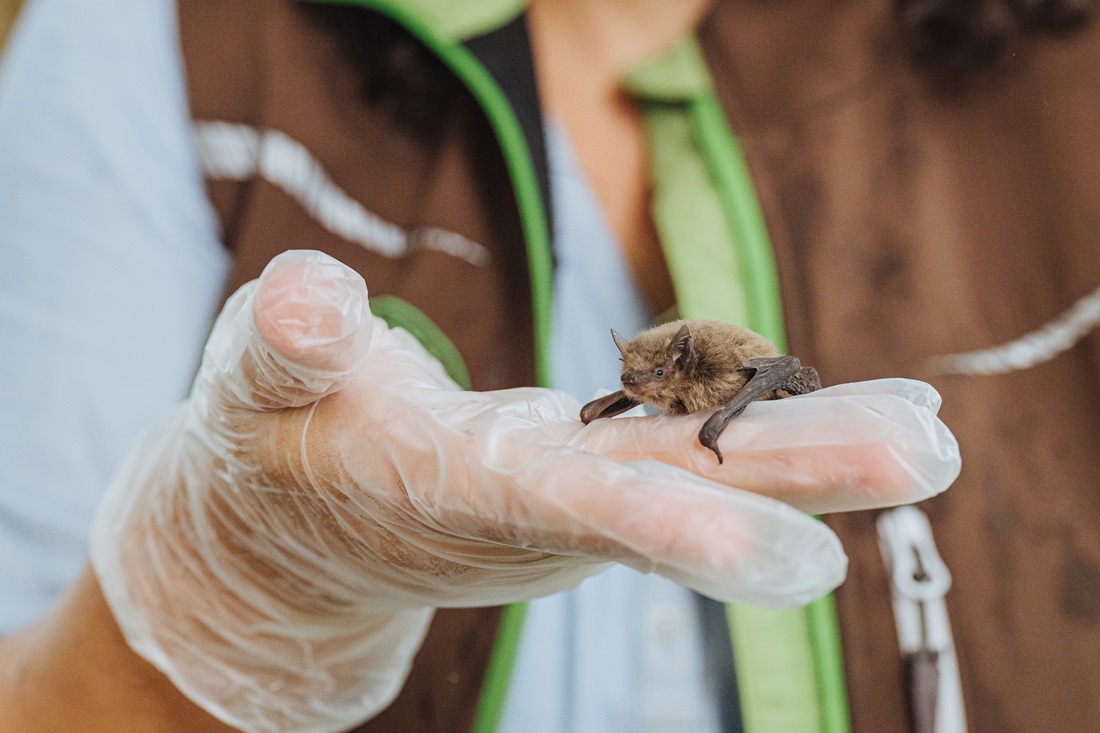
(708, 375)
(686, 366)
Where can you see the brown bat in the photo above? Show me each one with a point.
(684, 366)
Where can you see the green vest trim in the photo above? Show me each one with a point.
(398, 313)
(494, 691)
(789, 665)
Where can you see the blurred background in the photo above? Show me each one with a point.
(8, 11)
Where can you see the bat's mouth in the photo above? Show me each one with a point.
(640, 388)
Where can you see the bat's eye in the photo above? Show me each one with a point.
(660, 372)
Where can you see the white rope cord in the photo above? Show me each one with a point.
(229, 151)
(1041, 345)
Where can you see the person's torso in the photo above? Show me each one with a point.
(906, 226)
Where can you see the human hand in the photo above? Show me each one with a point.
(276, 545)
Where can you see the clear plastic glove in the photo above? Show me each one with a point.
(276, 545)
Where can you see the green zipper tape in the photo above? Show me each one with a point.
(807, 692)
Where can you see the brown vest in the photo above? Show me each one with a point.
(909, 224)
(906, 225)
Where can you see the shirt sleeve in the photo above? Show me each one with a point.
(112, 270)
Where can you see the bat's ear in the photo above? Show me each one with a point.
(679, 349)
(620, 342)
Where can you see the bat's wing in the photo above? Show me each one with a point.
(607, 406)
(771, 373)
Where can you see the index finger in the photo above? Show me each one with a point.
(859, 447)
(524, 491)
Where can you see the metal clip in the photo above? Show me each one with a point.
(920, 581)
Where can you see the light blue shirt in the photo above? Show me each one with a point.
(103, 212)
(112, 270)
(622, 653)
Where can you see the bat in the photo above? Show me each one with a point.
(685, 366)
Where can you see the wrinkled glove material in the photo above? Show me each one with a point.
(276, 545)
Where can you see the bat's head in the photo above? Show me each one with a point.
(654, 362)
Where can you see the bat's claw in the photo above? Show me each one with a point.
(770, 374)
(714, 427)
(711, 442)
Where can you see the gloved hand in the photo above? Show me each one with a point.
(277, 544)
